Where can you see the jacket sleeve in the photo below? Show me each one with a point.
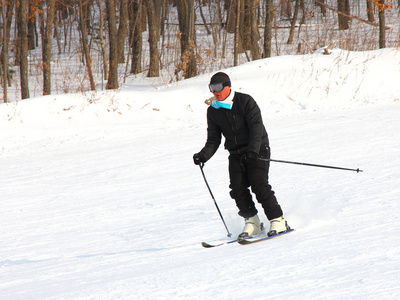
(252, 114)
(213, 137)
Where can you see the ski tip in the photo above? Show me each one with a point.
(206, 245)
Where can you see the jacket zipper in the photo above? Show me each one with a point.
(233, 128)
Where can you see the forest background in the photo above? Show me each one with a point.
(64, 46)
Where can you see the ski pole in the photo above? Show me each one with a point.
(311, 165)
(215, 202)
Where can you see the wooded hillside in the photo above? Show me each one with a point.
(61, 46)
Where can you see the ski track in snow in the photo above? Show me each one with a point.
(114, 208)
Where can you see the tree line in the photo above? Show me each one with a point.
(117, 27)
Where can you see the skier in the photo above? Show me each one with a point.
(237, 117)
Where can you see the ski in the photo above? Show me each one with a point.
(256, 240)
(244, 241)
(217, 244)
(221, 243)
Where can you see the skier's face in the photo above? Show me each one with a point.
(222, 95)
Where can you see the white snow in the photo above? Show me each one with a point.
(100, 198)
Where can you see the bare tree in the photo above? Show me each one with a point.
(6, 14)
(230, 8)
(112, 82)
(102, 42)
(286, 8)
(255, 35)
(201, 4)
(321, 4)
(344, 19)
(293, 22)
(122, 29)
(158, 6)
(237, 33)
(83, 16)
(137, 26)
(47, 29)
(23, 38)
(382, 25)
(303, 8)
(347, 14)
(269, 16)
(245, 25)
(370, 11)
(154, 69)
(32, 30)
(188, 42)
(191, 71)
(225, 19)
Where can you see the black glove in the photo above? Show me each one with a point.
(198, 158)
(250, 157)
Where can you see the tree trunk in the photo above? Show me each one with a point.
(83, 13)
(293, 22)
(137, 12)
(322, 6)
(188, 43)
(7, 16)
(203, 18)
(46, 47)
(230, 7)
(192, 67)
(158, 4)
(303, 8)
(344, 20)
(255, 35)
(382, 25)
(153, 39)
(32, 36)
(370, 11)
(23, 37)
(182, 18)
(286, 8)
(237, 33)
(165, 9)
(102, 42)
(245, 25)
(269, 16)
(4, 52)
(122, 30)
(112, 82)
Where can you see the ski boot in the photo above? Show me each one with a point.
(278, 225)
(252, 226)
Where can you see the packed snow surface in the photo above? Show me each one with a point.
(100, 198)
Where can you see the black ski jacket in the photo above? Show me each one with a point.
(242, 127)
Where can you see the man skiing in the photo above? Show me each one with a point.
(237, 117)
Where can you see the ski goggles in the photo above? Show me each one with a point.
(216, 87)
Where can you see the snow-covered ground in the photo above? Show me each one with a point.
(100, 198)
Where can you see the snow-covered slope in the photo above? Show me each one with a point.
(100, 198)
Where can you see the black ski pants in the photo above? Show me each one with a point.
(255, 175)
